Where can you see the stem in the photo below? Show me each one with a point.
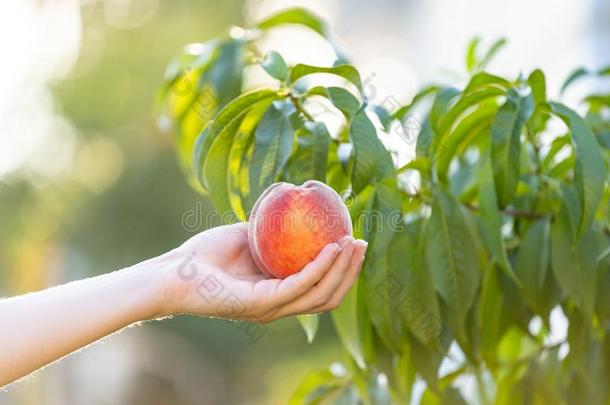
(532, 140)
(299, 106)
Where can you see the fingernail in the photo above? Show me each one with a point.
(344, 241)
(336, 248)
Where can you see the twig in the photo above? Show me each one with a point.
(297, 103)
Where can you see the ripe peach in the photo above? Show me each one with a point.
(289, 226)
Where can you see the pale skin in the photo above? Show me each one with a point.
(212, 274)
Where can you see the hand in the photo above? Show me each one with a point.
(213, 274)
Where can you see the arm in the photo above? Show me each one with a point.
(212, 274)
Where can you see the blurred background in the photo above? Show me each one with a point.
(89, 184)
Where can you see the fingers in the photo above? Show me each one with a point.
(323, 292)
(348, 280)
(329, 292)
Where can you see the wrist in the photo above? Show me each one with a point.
(155, 274)
(173, 274)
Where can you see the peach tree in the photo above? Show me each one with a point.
(499, 223)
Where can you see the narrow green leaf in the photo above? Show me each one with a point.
(573, 77)
(371, 160)
(573, 258)
(491, 52)
(463, 135)
(485, 80)
(351, 323)
(558, 144)
(532, 268)
(274, 139)
(297, 16)
(232, 112)
(317, 386)
(309, 323)
(401, 112)
(537, 83)
(506, 142)
(452, 259)
(215, 168)
(379, 284)
(471, 54)
(427, 135)
(491, 217)
(418, 305)
(538, 120)
(490, 316)
(348, 72)
(590, 170)
(274, 64)
(341, 99)
(310, 160)
(240, 158)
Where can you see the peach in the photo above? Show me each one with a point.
(289, 226)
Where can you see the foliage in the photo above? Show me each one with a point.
(501, 218)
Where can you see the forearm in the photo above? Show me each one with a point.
(39, 328)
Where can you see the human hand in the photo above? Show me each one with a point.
(213, 274)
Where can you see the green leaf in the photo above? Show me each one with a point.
(583, 72)
(537, 83)
(590, 170)
(309, 323)
(473, 63)
(463, 135)
(232, 112)
(404, 372)
(274, 64)
(194, 90)
(506, 142)
(212, 153)
(533, 260)
(297, 16)
(401, 112)
(484, 80)
(573, 77)
(427, 136)
(316, 387)
(418, 305)
(310, 160)
(491, 52)
(379, 285)
(471, 54)
(467, 100)
(215, 169)
(491, 317)
(351, 323)
(240, 158)
(533, 263)
(347, 72)
(372, 162)
(541, 115)
(491, 217)
(274, 139)
(427, 360)
(558, 144)
(341, 98)
(574, 259)
(452, 258)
